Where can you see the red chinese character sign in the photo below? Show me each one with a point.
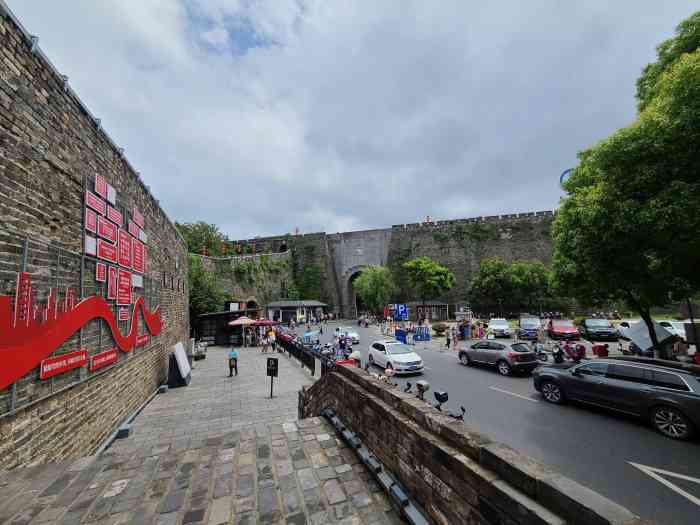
(124, 249)
(112, 284)
(101, 186)
(24, 347)
(137, 256)
(106, 229)
(123, 287)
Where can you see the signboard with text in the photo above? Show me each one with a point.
(134, 229)
(123, 314)
(115, 216)
(112, 283)
(106, 250)
(124, 249)
(62, 363)
(101, 186)
(94, 202)
(90, 220)
(123, 287)
(137, 256)
(103, 359)
(100, 272)
(106, 229)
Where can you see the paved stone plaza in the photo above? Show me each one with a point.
(218, 451)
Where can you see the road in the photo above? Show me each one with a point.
(594, 447)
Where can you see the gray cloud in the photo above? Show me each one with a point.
(267, 115)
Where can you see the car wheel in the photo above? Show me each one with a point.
(552, 393)
(389, 366)
(503, 368)
(672, 423)
(464, 359)
(371, 359)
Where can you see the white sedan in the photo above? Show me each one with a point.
(391, 354)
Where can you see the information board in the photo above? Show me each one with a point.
(123, 287)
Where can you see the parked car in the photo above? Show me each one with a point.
(528, 328)
(394, 355)
(499, 327)
(666, 396)
(352, 334)
(506, 357)
(562, 329)
(675, 327)
(599, 330)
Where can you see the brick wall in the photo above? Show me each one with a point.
(51, 149)
(455, 473)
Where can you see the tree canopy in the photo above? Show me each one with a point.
(206, 293)
(522, 283)
(375, 286)
(628, 229)
(428, 278)
(203, 238)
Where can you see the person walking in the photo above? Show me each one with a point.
(447, 338)
(232, 362)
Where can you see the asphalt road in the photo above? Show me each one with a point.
(594, 447)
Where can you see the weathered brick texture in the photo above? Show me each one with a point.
(50, 150)
(457, 474)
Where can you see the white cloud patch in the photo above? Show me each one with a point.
(262, 116)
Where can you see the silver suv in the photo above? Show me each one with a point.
(506, 357)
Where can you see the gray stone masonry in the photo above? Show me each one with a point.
(216, 452)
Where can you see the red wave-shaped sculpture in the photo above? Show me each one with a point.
(19, 358)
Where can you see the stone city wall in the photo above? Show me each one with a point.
(51, 151)
(458, 244)
(262, 278)
(455, 473)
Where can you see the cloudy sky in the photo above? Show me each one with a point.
(335, 115)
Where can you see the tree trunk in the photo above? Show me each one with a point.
(646, 317)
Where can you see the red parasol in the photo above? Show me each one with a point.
(265, 322)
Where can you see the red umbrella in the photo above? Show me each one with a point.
(264, 322)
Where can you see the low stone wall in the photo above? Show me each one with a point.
(456, 473)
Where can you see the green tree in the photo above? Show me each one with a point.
(201, 236)
(628, 228)
(206, 293)
(530, 280)
(428, 278)
(309, 283)
(493, 283)
(375, 286)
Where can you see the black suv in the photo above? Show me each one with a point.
(598, 330)
(667, 395)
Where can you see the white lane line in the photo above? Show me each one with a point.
(654, 473)
(514, 394)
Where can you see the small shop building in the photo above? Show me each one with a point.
(301, 311)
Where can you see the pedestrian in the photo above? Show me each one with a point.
(447, 339)
(232, 362)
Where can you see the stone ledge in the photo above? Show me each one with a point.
(490, 477)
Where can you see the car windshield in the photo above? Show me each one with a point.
(563, 324)
(399, 349)
(529, 323)
(498, 322)
(520, 347)
(598, 323)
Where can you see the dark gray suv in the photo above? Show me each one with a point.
(665, 395)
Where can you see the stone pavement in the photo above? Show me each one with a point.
(215, 452)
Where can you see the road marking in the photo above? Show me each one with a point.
(654, 473)
(514, 394)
